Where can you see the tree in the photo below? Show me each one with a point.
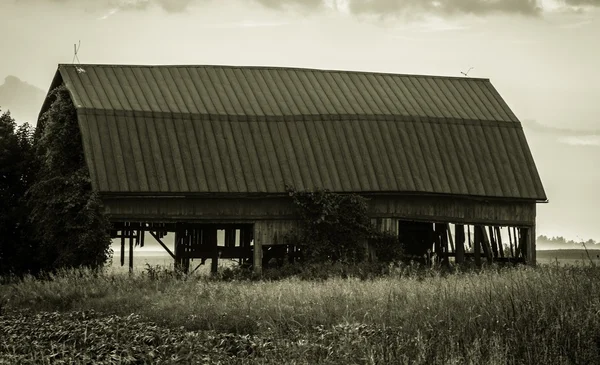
(16, 173)
(65, 212)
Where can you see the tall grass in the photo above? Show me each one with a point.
(528, 315)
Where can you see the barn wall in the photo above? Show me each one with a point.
(443, 209)
(273, 232)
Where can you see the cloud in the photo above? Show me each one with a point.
(583, 2)
(171, 6)
(538, 127)
(444, 7)
(581, 141)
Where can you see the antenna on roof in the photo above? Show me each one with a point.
(467, 73)
(75, 51)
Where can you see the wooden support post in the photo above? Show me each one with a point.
(450, 239)
(532, 246)
(230, 237)
(493, 242)
(258, 256)
(499, 240)
(487, 250)
(512, 242)
(131, 244)
(437, 243)
(518, 243)
(459, 234)
(209, 240)
(444, 244)
(477, 245)
(123, 245)
(177, 250)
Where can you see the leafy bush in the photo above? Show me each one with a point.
(335, 228)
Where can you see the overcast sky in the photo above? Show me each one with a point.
(542, 56)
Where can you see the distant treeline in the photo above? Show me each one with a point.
(561, 241)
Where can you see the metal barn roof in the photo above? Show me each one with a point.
(221, 129)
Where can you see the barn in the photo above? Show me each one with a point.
(201, 152)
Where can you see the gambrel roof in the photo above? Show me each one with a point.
(220, 129)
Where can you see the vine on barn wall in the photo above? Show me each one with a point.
(69, 224)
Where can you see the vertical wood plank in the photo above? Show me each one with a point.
(485, 244)
(477, 245)
(258, 255)
(459, 236)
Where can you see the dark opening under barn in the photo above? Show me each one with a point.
(193, 150)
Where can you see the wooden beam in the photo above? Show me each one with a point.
(499, 240)
(477, 245)
(493, 242)
(450, 239)
(459, 233)
(131, 244)
(487, 250)
(258, 255)
(122, 247)
(156, 237)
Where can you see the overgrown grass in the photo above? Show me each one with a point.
(548, 315)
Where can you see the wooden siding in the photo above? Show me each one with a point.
(440, 209)
(273, 232)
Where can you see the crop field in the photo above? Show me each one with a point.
(544, 315)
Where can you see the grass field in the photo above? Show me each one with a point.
(546, 315)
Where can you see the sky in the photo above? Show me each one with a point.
(541, 55)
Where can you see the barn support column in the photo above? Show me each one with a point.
(477, 239)
(527, 243)
(258, 254)
(459, 233)
(131, 244)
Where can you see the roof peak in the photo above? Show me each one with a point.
(274, 68)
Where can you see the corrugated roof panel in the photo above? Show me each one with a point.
(398, 165)
(437, 173)
(131, 163)
(261, 102)
(205, 104)
(453, 150)
(508, 174)
(241, 151)
(330, 104)
(291, 158)
(447, 163)
(374, 144)
(91, 147)
(183, 126)
(115, 98)
(336, 169)
(392, 106)
(352, 95)
(213, 87)
(225, 156)
(532, 177)
(266, 166)
(232, 151)
(239, 129)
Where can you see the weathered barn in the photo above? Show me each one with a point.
(194, 149)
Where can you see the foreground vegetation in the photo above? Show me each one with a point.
(545, 315)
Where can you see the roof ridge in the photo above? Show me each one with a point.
(479, 79)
